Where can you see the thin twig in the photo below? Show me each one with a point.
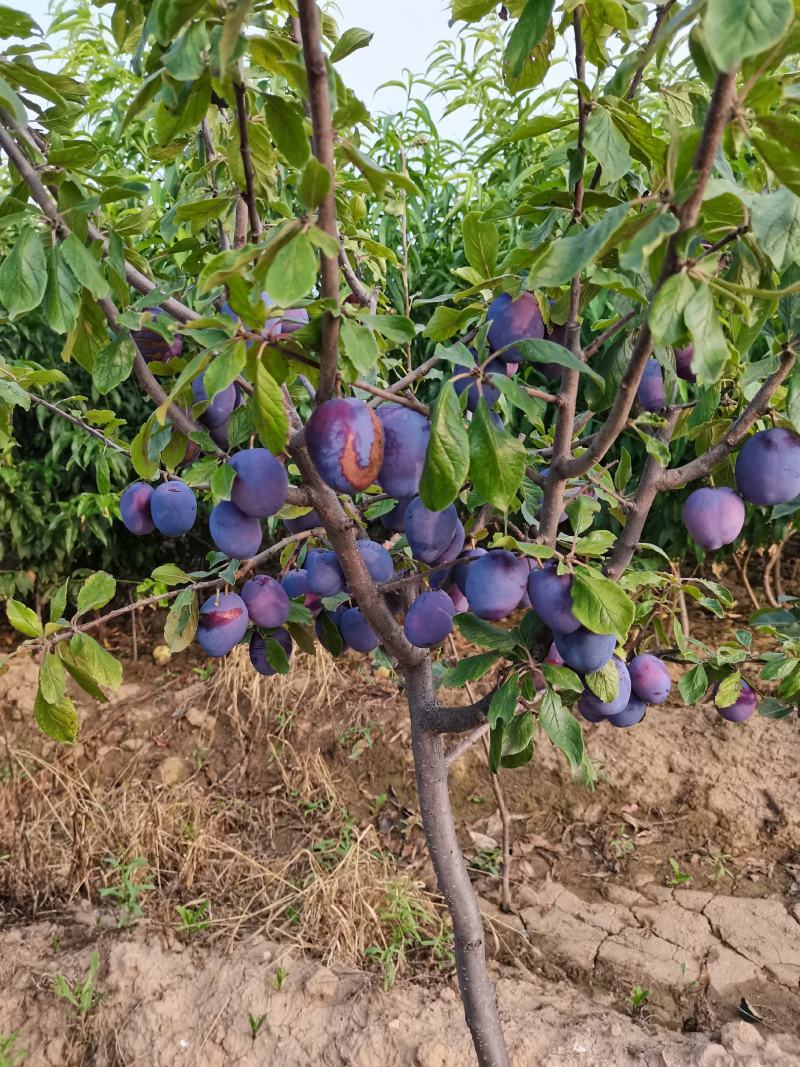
(240, 93)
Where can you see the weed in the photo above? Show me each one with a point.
(82, 995)
(193, 918)
(637, 1001)
(621, 845)
(256, 1022)
(362, 738)
(676, 875)
(378, 804)
(280, 976)
(411, 926)
(204, 673)
(488, 860)
(126, 892)
(9, 1055)
(719, 862)
(199, 757)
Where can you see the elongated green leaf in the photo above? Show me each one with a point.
(393, 327)
(637, 252)
(62, 297)
(271, 419)
(293, 271)
(550, 352)
(447, 458)
(527, 33)
(775, 219)
(604, 683)
(315, 181)
(517, 746)
(52, 680)
(59, 720)
(601, 605)
(351, 40)
(562, 728)
(608, 144)
(181, 625)
(472, 10)
(504, 702)
(114, 364)
(96, 592)
(287, 126)
(23, 275)
(710, 346)
(562, 678)
(479, 632)
(481, 242)
(563, 258)
(24, 619)
(736, 29)
(84, 266)
(93, 658)
(693, 684)
(469, 669)
(496, 460)
(358, 344)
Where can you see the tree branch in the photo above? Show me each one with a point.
(210, 154)
(388, 394)
(240, 92)
(409, 379)
(607, 334)
(322, 125)
(360, 291)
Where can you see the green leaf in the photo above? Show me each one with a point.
(234, 19)
(481, 242)
(12, 103)
(58, 602)
(562, 728)
(581, 511)
(622, 475)
(775, 221)
(445, 322)
(710, 346)
(24, 619)
(562, 678)
(170, 574)
(770, 708)
(600, 604)
(736, 29)
(604, 683)
(114, 364)
(95, 592)
(608, 145)
(666, 313)
(315, 181)
(793, 398)
(222, 482)
(393, 327)
(144, 466)
(483, 634)
(358, 344)
(504, 701)
(550, 352)
(15, 23)
(276, 655)
(59, 720)
(527, 33)
(52, 680)
(287, 125)
(517, 743)
(472, 10)
(23, 275)
(93, 658)
(62, 296)
(728, 690)
(351, 40)
(181, 625)
(518, 397)
(782, 160)
(271, 419)
(293, 271)
(447, 458)
(469, 669)
(636, 254)
(693, 684)
(84, 266)
(496, 460)
(563, 258)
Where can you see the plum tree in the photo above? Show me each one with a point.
(173, 507)
(617, 703)
(429, 533)
(650, 679)
(261, 485)
(429, 620)
(345, 442)
(583, 650)
(222, 623)
(356, 631)
(323, 573)
(650, 393)
(551, 597)
(495, 584)
(263, 657)
(134, 508)
(267, 601)
(768, 467)
(714, 517)
(405, 442)
(234, 533)
(377, 560)
(513, 320)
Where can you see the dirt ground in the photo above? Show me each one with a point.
(655, 920)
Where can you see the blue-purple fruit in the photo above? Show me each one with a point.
(743, 707)
(345, 440)
(405, 442)
(258, 651)
(650, 679)
(173, 508)
(512, 321)
(267, 601)
(768, 467)
(583, 650)
(261, 485)
(323, 573)
(234, 533)
(620, 701)
(551, 597)
(650, 393)
(222, 623)
(429, 620)
(714, 517)
(377, 560)
(357, 632)
(134, 507)
(495, 584)
(429, 533)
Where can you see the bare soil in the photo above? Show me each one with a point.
(289, 806)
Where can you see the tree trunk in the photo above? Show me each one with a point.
(477, 991)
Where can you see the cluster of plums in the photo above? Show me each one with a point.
(354, 447)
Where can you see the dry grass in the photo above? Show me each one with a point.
(280, 856)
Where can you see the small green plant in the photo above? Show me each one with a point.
(621, 845)
(199, 757)
(82, 996)
(280, 976)
(10, 1056)
(126, 892)
(256, 1022)
(360, 738)
(676, 876)
(194, 918)
(637, 1001)
(489, 861)
(204, 673)
(378, 803)
(719, 862)
(411, 926)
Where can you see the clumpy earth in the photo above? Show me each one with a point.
(654, 920)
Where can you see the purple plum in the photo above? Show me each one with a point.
(454, 549)
(551, 597)
(683, 363)
(587, 712)
(261, 485)
(223, 405)
(345, 439)
(429, 533)
(583, 650)
(429, 620)
(258, 651)
(308, 521)
(620, 701)
(234, 533)
(222, 623)
(174, 508)
(744, 706)
(511, 321)
(714, 517)
(295, 583)
(377, 560)
(395, 520)
(405, 442)
(461, 571)
(357, 632)
(460, 602)
(650, 679)
(768, 467)
(153, 347)
(495, 584)
(323, 573)
(134, 507)
(554, 656)
(650, 393)
(631, 715)
(267, 601)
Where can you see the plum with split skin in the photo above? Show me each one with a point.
(323, 573)
(222, 623)
(261, 484)
(405, 441)
(238, 535)
(173, 508)
(429, 620)
(650, 679)
(267, 601)
(650, 393)
(742, 708)
(429, 533)
(495, 584)
(345, 441)
(258, 651)
(357, 632)
(620, 701)
(714, 517)
(768, 467)
(584, 650)
(631, 715)
(551, 597)
(511, 321)
(134, 508)
(377, 560)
